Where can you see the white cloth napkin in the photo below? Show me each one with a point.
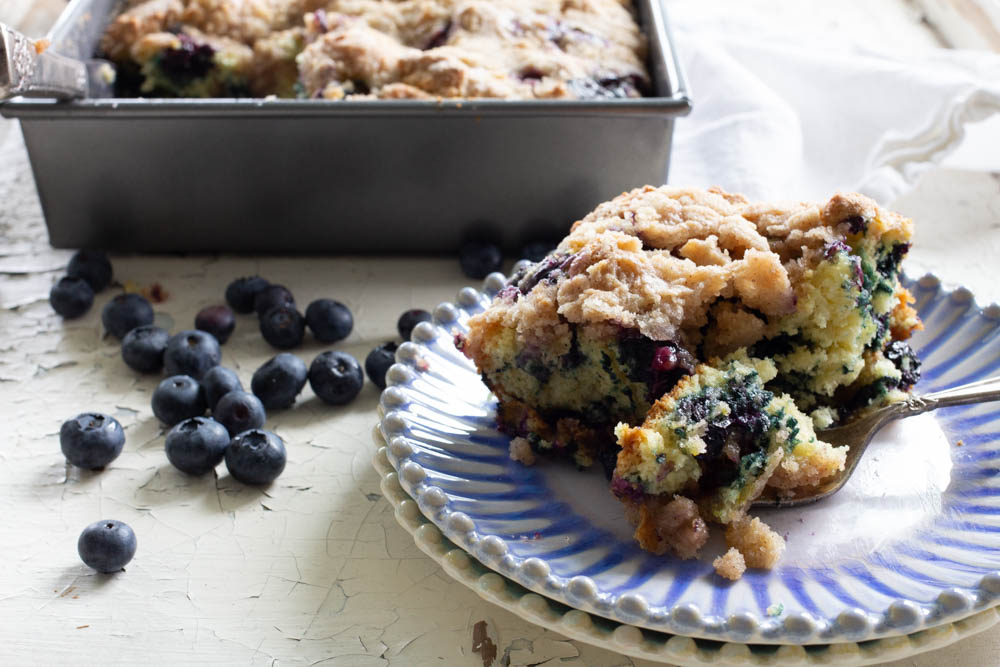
(779, 116)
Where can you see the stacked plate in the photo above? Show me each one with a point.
(906, 558)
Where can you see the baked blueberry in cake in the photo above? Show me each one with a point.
(718, 437)
(727, 330)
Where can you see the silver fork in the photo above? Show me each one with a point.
(858, 435)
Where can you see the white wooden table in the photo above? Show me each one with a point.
(315, 568)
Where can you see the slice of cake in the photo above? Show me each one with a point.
(717, 438)
(728, 329)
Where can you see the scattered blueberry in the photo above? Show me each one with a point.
(91, 265)
(271, 297)
(126, 312)
(336, 377)
(218, 382)
(178, 398)
(410, 319)
(479, 259)
(71, 297)
(240, 293)
(329, 320)
(256, 457)
(536, 250)
(239, 411)
(142, 348)
(91, 440)
(216, 320)
(279, 381)
(191, 353)
(197, 445)
(107, 546)
(378, 361)
(283, 327)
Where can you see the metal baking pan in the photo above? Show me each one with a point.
(309, 176)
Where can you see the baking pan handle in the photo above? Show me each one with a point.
(28, 69)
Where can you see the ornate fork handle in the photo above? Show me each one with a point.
(25, 71)
(981, 391)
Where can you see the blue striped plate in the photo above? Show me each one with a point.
(913, 540)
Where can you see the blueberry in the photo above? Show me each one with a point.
(218, 382)
(178, 398)
(329, 320)
(126, 312)
(378, 361)
(241, 293)
(191, 353)
(196, 445)
(188, 59)
(279, 381)
(283, 327)
(239, 411)
(142, 348)
(107, 546)
(256, 457)
(479, 259)
(272, 296)
(536, 250)
(91, 265)
(71, 297)
(410, 319)
(91, 440)
(336, 377)
(216, 320)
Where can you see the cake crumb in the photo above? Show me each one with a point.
(520, 451)
(730, 565)
(760, 546)
(674, 526)
(960, 443)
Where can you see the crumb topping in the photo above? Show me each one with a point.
(730, 565)
(760, 546)
(392, 49)
(657, 259)
(520, 451)
(670, 525)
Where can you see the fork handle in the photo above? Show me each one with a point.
(28, 71)
(981, 391)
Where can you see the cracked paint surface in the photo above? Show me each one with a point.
(311, 570)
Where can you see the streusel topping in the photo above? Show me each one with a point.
(408, 48)
(656, 259)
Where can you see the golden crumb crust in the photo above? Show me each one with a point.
(656, 260)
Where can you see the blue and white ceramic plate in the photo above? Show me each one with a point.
(647, 644)
(912, 542)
